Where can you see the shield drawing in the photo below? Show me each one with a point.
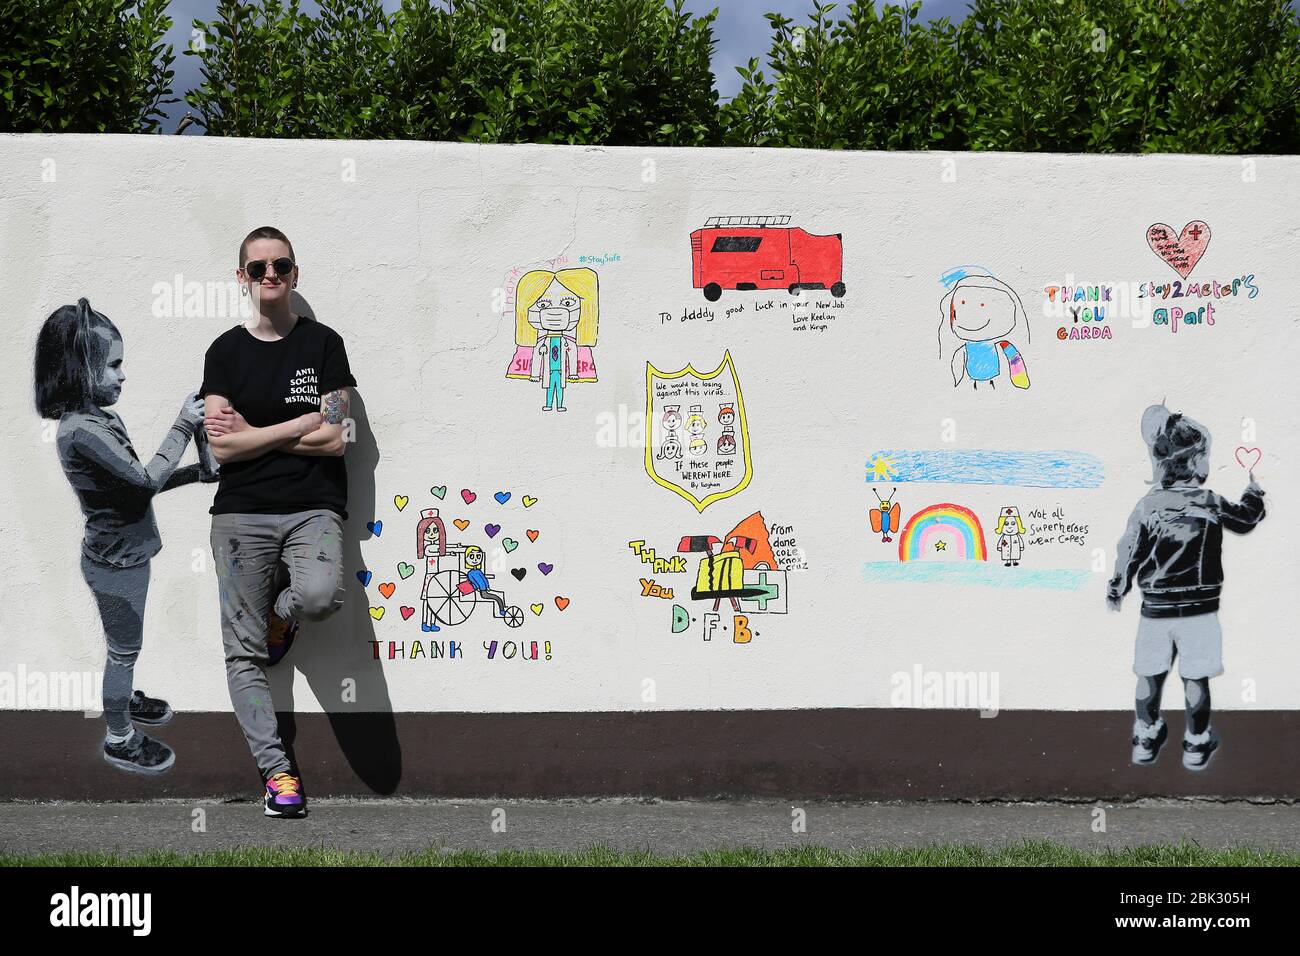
(697, 433)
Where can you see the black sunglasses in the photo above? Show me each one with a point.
(256, 270)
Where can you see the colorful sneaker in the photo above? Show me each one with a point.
(284, 796)
(1147, 740)
(140, 754)
(1199, 748)
(279, 637)
(149, 710)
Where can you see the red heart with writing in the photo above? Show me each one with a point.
(1248, 458)
(1181, 251)
(407, 612)
(387, 589)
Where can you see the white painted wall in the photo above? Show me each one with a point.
(407, 263)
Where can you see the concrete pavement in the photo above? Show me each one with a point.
(392, 826)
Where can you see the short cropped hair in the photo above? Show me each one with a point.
(264, 232)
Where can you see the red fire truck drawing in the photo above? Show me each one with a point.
(764, 252)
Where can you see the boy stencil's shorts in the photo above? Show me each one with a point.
(1197, 640)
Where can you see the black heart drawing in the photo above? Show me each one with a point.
(519, 573)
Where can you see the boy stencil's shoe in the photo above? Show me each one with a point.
(140, 754)
(1199, 748)
(284, 796)
(149, 710)
(1147, 740)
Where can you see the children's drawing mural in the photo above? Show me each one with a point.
(1181, 249)
(979, 315)
(747, 253)
(556, 319)
(770, 501)
(698, 432)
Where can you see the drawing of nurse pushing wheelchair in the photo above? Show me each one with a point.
(455, 579)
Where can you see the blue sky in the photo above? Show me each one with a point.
(740, 29)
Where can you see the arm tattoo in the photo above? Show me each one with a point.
(334, 406)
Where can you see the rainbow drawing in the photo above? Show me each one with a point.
(927, 523)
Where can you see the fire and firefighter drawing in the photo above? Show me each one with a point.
(747, 253)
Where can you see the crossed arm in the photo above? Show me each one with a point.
(316, 433)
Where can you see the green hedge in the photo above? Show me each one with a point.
(1200, 76)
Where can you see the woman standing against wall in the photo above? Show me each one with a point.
(275, 390)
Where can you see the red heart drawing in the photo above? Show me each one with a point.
(407, 612)
(387, 589)
(561, 602)
(1182, 251)
(1248, 458)
(468, 495)
(532, 535)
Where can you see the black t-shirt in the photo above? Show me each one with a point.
(269, 383)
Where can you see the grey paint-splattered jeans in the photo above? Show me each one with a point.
(248, 550)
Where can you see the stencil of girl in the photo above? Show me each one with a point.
(1011, 536)
(979, 312)
(556, 316)
(727, 443)
(78, 373)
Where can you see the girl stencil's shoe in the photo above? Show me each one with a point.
(149, 710)
(140, 754)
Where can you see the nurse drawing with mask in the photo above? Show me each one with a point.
(556, 315)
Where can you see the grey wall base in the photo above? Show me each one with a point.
(807, 754)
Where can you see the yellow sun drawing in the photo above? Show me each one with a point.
(882, 469)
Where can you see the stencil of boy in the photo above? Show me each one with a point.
(1173, 547)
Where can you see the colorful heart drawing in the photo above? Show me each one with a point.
(561, 602)
(468, 495)
(404, 570)
(532, 535)
(509, 544)
(1180, 251)
(545, 568)
(406, 612)
(438, 491)
(519, 573)
(377, 613)
(502, 497)
(400, 501)
(492, 529)
(387, 589)
(375, 527)
(364, 578)
(529, 501)
(1248, 458)
(537, 608)
(461, 523)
